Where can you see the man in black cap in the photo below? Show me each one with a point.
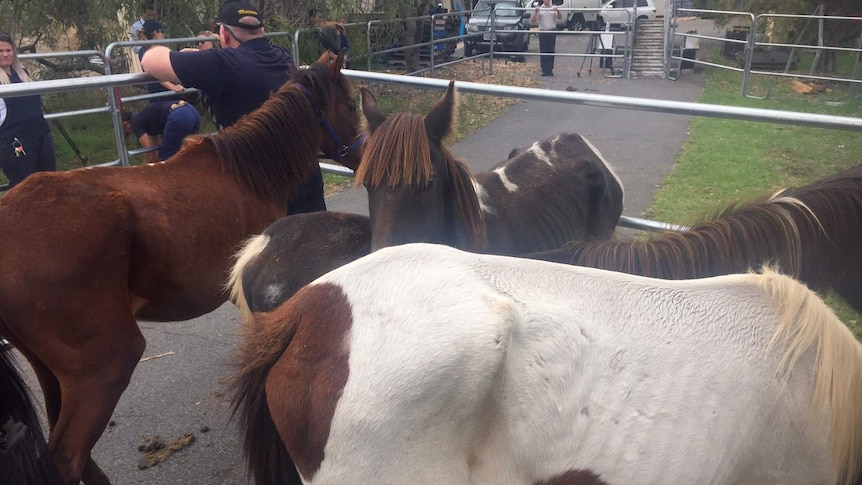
(236, 79)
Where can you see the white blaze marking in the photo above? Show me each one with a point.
(481, 195)
(510, 186)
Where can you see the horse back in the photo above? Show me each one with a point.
(143, 230)
(298, 249)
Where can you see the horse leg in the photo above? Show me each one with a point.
(48, 383)
(93, 475)
(90, 391)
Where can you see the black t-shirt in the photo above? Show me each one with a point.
(235, 81)
(21, 116)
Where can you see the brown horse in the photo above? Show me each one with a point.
(558, 190)
(86, 252)
(813, 233)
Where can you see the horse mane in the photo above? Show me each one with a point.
(273, 149)
(737, 238)
(398, 154)
(468, 212)
(807, 321)
(806, 231)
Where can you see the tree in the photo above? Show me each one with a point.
(93, 24)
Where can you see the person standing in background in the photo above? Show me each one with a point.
(26, 143)
(546, 16)
(148, 12)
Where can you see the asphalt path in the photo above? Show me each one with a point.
(181, 390)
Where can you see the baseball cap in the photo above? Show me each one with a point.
(231, 11)
(151, 26)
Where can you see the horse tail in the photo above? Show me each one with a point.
(250, 250)
(24, 455)
(266, 336)
(806, 321)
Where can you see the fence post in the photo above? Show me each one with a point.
(116, 115)
(749, 55)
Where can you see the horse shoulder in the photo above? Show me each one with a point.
(417, 364)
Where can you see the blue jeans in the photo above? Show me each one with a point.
(181, 122)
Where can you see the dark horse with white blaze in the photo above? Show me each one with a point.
(558, 190)
(85, 253)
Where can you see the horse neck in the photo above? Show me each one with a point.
(274, 149)
(466, 218)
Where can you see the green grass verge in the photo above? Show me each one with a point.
(727, 160)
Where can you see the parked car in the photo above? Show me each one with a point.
(572, 20)
(620, 12)
(508, 15)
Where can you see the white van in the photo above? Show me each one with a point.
(572, 20)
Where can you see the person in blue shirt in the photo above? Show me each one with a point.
(164, 124)
(26, 143)
(236, 79)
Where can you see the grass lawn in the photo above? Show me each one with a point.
(727, 160)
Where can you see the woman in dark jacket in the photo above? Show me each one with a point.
(26, 144)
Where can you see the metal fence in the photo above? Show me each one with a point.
(751, 44)
(110, 82)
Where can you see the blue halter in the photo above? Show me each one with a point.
(343, 149)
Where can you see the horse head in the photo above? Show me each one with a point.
(339, 118)
(274, 148)
(417, 191)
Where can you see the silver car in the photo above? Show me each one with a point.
(509, 15)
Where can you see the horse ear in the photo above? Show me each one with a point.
(326, 58)
(339, 60)
(440, 119)
(371, 110)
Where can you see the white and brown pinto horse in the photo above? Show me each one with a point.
(424, 364)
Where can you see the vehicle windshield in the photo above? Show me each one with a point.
(504, 9)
